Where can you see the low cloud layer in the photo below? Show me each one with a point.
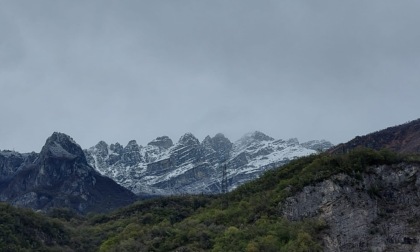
(121, 70)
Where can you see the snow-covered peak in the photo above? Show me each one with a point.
(188, 139)
(101, 148)
(101, 145)
(251, 139)
(217, 141)
(255, 136)
(117, 148)
(132, 146)
(219, 137)
(132, 143)
(207, 142)
(162, 142)
(293, 141)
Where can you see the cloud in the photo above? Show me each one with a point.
(114, 71)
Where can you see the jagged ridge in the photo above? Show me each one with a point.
(189, 166)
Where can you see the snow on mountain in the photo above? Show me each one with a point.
(189, 166)
(318, 145)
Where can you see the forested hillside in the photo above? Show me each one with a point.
(249, 218)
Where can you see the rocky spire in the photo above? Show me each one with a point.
(188, 139)
(62, 146)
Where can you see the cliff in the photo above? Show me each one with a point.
(376, 210)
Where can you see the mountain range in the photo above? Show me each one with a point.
(190, 166)
(105, 177)
(362, 195)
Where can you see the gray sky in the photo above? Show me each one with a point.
(121, 70)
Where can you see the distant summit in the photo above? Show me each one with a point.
(59, 176)
(61, 146)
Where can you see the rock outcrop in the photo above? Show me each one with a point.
(376, 211)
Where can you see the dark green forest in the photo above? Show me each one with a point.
(245, 219)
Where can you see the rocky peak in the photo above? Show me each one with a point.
(163, 142)
(259, 136)
(220, 144)
(219, 138)
(102, 148)
(131, 154)
(251, 138)
(117, 148)
(132, 144)
(188, 139)
(61, 177)
(62, 146)
(207, 142)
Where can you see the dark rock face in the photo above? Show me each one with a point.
(131, 154)
(217, 148)
(187, 150)
(188, 140)
(378, 212)
(404, 138)
(61, 177)
(11, 162)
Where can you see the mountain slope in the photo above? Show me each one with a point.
(376, 211)
(403, 138)
(189, 166)
(25, 230)
(61, 177)
(363, 200)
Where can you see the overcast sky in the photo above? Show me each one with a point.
(122, 70)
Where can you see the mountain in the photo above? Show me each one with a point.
(190, 166)
(59, 176)
(11, 162)
(355, 200)
(360, 200)
(403, 138)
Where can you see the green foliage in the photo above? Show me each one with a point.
(246, 219)
(24, 230)
(63, 214)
